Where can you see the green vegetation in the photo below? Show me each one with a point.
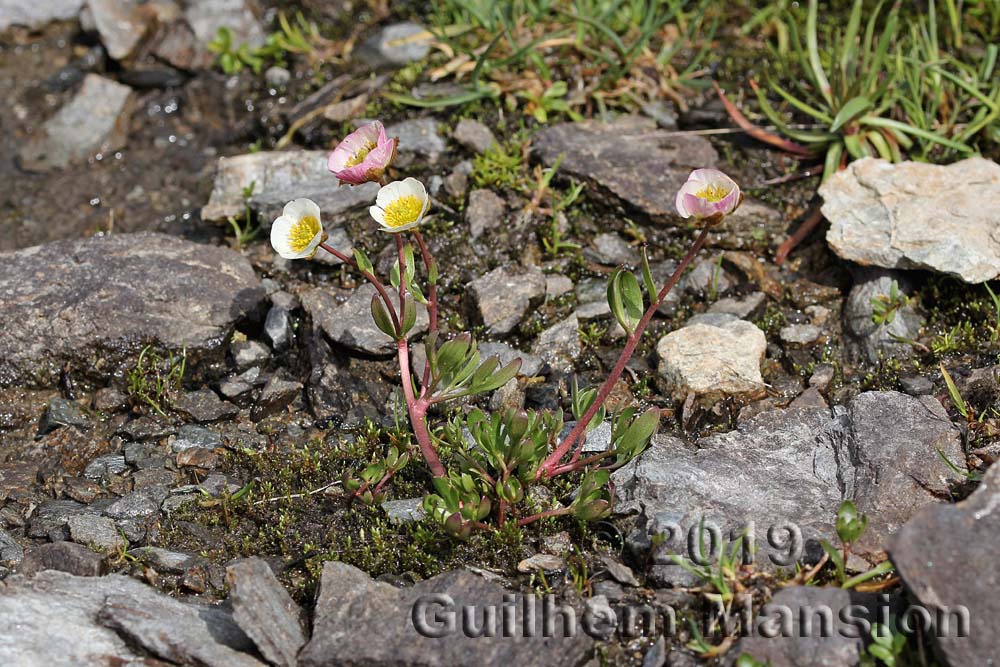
(292, 37)
(155, 378)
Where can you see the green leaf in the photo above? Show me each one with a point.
(381, 317)
(647, 277)
(409, 315)
(851, 110)
(631, 298)
(637, 435)
(953, 393)
(364, 264)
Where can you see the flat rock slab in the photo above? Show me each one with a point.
(502, 297)
(719, 355)
(947, 557)
(58, 620)
(791, 469)
(92, 305)
(278, 178)
(628, 161)
(37, 14)
(265, 612)
(914, 215)
(353, 610)
(349, 323)
(95, 121)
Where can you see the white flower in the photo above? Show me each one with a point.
(400, 205)
(298, 231)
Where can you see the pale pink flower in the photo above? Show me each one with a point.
(363, 155)
(708, 194)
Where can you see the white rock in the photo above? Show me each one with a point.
(713, 357)
(917, 216)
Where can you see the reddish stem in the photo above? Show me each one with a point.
(551, 464)
(417, 410)
(432, 302)
(543, 515)
(370, 278)
(808, 225)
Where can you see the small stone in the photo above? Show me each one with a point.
(145, 428)
(95, 121)
(153, 477)
(50, 519)
(800, 334)
(278, 328)
(916, 215)
(455, 184)
(485, 210)
(595, 310)
(62, 412)
(559, 544)
(658, 110)
(265, 612)
(109, 400)
(103, 466)
(96, 532)
(405, 510)
(611, 249)
(916, 385)
(714, 358)
(192, 436)
(418, 137)
(278, 178)
(247, 353)
(398, 44)
(473, 135)
(206, 17)
(11, 553)
(503, 296)
(873, 341)
(350, 323)
(62, 556)
(140, 504)
(744, 308)
(120, 24)
(822, 376)
(559, 345)
(277, 76)
(276, 395)
(656, 656)
(556, 285)
(204, 406)
(810, 398)
(195, 457)
(706, 278)
(544, 562)
(241, 385)
(619, 571)
(163, 561)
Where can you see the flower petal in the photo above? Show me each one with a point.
(378, 214)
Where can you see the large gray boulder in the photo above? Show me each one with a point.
(915, 215)
(37, 14)
(91, 306)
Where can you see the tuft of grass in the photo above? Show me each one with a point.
(154, 378)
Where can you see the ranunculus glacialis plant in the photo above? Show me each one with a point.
(487, 485)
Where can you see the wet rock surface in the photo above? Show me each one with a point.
(91, 314)
(917, 216)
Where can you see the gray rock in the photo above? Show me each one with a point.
(278, 328)
(265, 612)
(594, 310)
(656, 656)
(744, 307)
(102, 466)
(204, 406)
(36, 14)
(96, 532)
(192, 436)
(138, 505)
(91, 315)
(247, 353)
(350, 323)
(95, 121)
(473, 135)
(559, 345)
(277, 76)
(62, 412)
(556, 285)
(788, 470)
(619, 571)
(705, 278)
(164, 560)
(352, 608)
(485, 210)
(800, 334)
(807, 645)
(946, 556)
(611, 249)
(397, 44)
(53, 620)
(120, 24)
(822, 376)
(51, 517)
(916, 385)
(543, 562)
(503, 296)
(278, 178)
(405, 510)
(206, 17)
(276, 395)
(62, 556)
(714, 358)
(239, 386)
(530, 364)
(11, 553)
(915, 215)
(871, 340)
(626, 161)
(418, 137)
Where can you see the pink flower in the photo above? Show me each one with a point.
(709, 195)
(363, 155)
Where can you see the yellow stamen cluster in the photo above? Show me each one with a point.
(362, 153)
(712, 193)
(403, 211)
(302, 233)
